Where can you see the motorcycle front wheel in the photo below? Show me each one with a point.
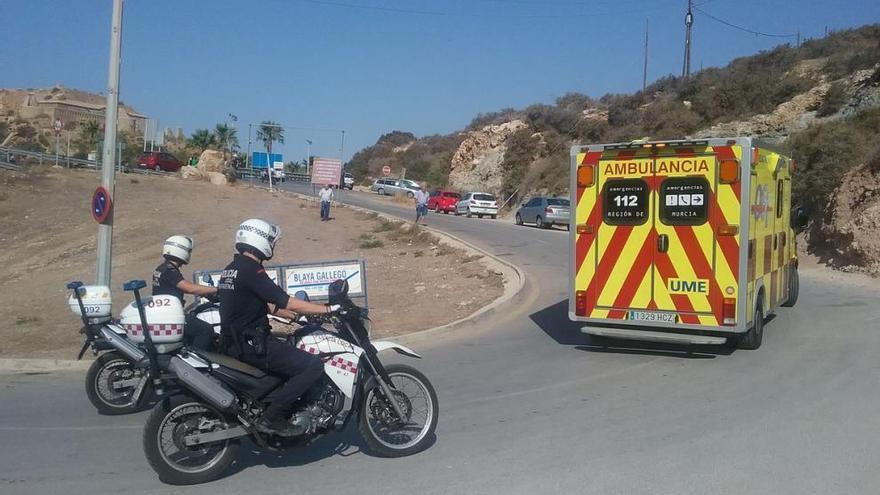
(388, 435)
(171, 422)
(112, 384)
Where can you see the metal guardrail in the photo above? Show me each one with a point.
(9, 166)
(49, 158)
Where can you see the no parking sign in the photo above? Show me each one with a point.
(101, 205)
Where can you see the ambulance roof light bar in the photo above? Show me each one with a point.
(642, 143)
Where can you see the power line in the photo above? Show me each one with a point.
(747, 30)
(437, 13)
(377, 7)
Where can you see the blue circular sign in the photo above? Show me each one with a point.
(101, 204)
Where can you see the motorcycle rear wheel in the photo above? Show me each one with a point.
(177, 464)
(104, 374)
(378, 424)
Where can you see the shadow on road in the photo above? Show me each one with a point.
(343, 444)
(553, 320)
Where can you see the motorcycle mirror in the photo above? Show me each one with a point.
(301, 295)
(338, 291)
(799, 219)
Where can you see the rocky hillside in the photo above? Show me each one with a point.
(25, 123)
(819, 100)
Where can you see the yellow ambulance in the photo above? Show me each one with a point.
(682, 241)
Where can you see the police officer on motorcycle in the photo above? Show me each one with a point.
(247, 297)
(167, 280)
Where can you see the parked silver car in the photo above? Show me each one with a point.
(390, 187)
(544, 212)
(477, 203)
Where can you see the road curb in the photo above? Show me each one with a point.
(514, 278)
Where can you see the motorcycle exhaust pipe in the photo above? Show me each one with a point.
(123, 345)
(203, 385)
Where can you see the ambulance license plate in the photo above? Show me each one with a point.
(653, 316)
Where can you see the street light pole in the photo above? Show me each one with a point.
(309, 157)
(105, 230)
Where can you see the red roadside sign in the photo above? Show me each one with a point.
(326, 171)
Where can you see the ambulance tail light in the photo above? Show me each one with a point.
(728, 312)
(586, 176)
(729, 171)
(728, 230)
(585, 229)
(580, 303)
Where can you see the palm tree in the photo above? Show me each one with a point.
(89, 133)
(202, 139)
(270, 132)
(225, 137)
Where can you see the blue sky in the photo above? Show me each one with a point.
(372, 66)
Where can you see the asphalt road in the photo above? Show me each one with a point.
(529, 405)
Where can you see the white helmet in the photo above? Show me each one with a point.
(259, 235)
(178, 248)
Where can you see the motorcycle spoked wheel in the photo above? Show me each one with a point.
(390, 436)
(102, 385)
(176, 463)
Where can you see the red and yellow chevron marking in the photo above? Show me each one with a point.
(620, 267)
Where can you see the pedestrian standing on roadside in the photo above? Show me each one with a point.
(421, 197)
(326, 195)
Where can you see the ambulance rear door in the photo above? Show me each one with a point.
(684, 278)
(625, 238)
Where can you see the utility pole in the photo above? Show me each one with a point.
(342, 148)
(108, 161)
(688, 22)
(799, 38)
(309, 157)
(645, 71)
(248, 157)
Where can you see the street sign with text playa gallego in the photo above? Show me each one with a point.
(326, 171)
(315, 278)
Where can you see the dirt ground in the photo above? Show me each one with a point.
(48, 237)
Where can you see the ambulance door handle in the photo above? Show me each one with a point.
(662, 243)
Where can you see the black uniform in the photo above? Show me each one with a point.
(244, 289)
(196, 333)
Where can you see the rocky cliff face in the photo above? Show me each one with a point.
(850, 236)
(476, 165)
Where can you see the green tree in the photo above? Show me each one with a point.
(89, 133)
(225, 137)
(270, 132)
(202, 139)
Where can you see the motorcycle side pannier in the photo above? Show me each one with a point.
(165, 319)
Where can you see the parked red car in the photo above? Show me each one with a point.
(159, 161)
(444, 201)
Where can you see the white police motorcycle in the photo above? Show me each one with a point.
(193, 436)
(117, 382)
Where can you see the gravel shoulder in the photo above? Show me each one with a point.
(415, 281)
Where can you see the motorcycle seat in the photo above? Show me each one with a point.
(232, 363)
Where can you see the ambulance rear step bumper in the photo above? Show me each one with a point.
(649, 336)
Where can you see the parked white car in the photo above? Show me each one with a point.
(477, 203)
